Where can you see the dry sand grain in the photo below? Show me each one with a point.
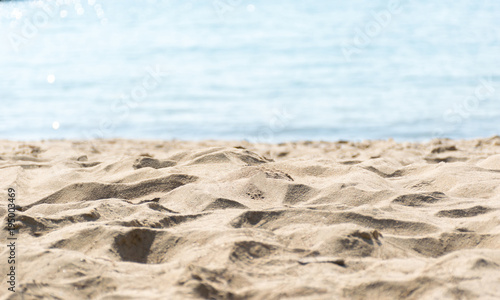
(121, 219)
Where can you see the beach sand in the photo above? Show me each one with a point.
(129, 219)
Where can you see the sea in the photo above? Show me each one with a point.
(262, 71)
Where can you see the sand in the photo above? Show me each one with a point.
(128, 219)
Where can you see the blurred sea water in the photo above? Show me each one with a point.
(266, 71)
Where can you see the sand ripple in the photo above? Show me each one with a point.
(118, 219)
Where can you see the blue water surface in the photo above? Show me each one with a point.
(266, 71)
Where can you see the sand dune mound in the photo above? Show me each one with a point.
(118, 219)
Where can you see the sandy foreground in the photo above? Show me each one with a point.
(128, 219)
